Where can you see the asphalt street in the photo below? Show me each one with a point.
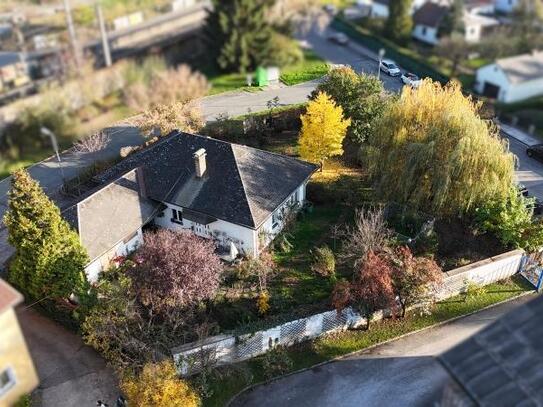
(404, 372)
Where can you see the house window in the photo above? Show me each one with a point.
(7, 380)
(275, 220)
(177, 216)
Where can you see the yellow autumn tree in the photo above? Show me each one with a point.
(432, 150)
(323, 130)
(158, 385)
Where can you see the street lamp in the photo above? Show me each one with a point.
(381, 55)
(46, 132)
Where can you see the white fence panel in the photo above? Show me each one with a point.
(225, 349)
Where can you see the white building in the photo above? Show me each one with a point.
(512, 79)
(380, 8)
(428, 19)
(236, 195)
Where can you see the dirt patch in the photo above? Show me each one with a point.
(459, 244)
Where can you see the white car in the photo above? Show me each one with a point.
(339, 38)
(389, 67)
(411, 79)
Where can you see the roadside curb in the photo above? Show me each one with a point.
(369, 348)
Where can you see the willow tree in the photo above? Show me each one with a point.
(432, 150)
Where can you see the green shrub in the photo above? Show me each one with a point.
(324, 261)
(474, 289)
(276, 362)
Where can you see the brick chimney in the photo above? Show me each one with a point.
(200, 162)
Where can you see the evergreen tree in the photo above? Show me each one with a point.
(238, 33)
(453, 22)
(399, 24)
(49, 259)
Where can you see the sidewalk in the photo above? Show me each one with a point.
(519, 135)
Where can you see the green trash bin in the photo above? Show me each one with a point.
(261, 76)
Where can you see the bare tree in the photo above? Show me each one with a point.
(92, 144)
(167, 87)
(369, 233)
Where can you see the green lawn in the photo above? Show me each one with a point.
(312, 67)
(228, 381)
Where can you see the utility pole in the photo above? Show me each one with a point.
(71, 33)
(105, 43)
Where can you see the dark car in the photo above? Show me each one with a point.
(535, 151)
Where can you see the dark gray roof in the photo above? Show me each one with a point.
(430, 14)
(241, 185)
(503, 364)
(522, 68)
(110, 214)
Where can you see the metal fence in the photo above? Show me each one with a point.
(226, 349)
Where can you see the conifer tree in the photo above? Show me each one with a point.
(399, 22)
(323, 130)
(49, 260)
(238, 33)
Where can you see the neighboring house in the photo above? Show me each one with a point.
(512, 79)
(17, 373)
(426, 22)
(236, 195)
(13, 71)
(478, 26)
(380, 8)
(428, 19)
(502, 365)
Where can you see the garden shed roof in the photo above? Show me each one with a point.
(503, 364)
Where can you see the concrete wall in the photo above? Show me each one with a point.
(15, 358)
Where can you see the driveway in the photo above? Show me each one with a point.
(400, 373)
(71, 373)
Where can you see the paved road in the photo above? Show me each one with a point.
(71, 373)
(529, 171)
(400, 373)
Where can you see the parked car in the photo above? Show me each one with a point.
(411, 79)
(339, 38)
(390, 68)
(535, 151)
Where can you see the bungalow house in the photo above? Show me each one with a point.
(234, 194)
(512, 79)
(428, 19)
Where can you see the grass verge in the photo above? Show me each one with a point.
(312, 67)
(228, 381)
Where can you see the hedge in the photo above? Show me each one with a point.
(402, 56)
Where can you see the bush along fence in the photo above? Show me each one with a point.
(401, 55)
(227, 349)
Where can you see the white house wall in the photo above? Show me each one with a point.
(244, 238)
(494, 75)
(523, 91)
(379, 10)
(473, 33)
(425, 34)
(122, 248)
